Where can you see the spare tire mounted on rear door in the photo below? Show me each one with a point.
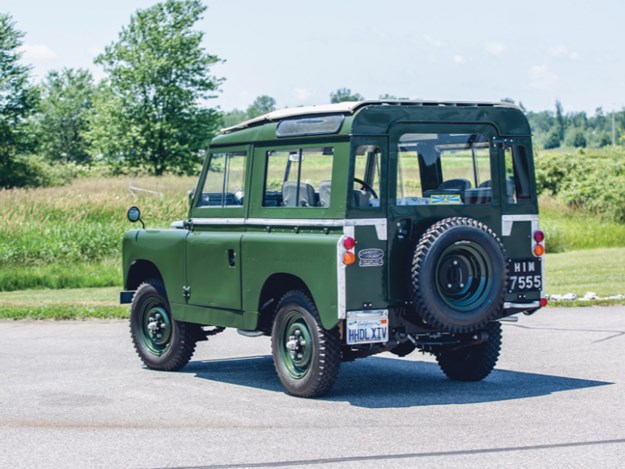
(458, 275)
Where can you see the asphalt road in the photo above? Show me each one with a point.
(74, 394)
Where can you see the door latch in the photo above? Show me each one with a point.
(231, 258)
(186, 293)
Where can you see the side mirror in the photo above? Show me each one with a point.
(191, 195)
(134, 215)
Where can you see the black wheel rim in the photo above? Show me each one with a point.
(464, 276)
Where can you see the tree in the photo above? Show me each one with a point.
(17, 101)
(64, 111)
(148, 112)
(261, 105)
(560, 120)
(344, 94)
(553, 139)
(234, 117)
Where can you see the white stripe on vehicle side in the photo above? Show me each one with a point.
(380, 224)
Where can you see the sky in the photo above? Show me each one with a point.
(534, 52)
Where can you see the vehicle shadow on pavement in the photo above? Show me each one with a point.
(379, 382)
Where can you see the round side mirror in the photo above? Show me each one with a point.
(134, 214)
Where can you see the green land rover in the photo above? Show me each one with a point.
(347, 230)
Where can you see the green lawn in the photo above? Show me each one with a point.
(71, 303)
(597, 270)
(601, 271)
(108, 296)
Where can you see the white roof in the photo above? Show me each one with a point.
(346, 107)
(339, 108)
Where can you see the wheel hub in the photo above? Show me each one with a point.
(454, 275)
(297, 346)
(464, 276)
(157, 329)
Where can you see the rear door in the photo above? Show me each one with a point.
(437, 171)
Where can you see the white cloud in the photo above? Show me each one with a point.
(429, 40)
(541, 77)
(459, 60)
(495, 48)
(302, 94)
(33, 52)
(562, 52)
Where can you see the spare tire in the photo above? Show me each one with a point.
(458, 275)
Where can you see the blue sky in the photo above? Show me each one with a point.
(299, 52)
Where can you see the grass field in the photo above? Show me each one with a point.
(599, 270)
(69, 238)
(69, 303)
(570, 230)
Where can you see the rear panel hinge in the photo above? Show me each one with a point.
(502, 142)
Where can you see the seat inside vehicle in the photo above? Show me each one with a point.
(290, 194)
(325, 188)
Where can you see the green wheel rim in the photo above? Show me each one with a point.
(296, 345)
(464, 276)
(156, 328)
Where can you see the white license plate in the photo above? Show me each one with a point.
(367, 327)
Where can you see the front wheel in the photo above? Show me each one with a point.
(306, 356)
(472, 363)
(161, 342)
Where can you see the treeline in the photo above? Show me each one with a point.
(151, 113)
(555, 129)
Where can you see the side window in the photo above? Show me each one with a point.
(298, 177)
(517, 175)
(366, 180)
(224, 185)
(443, 169)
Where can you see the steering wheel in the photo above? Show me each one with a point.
(366, 187)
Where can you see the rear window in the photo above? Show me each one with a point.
(443, 169)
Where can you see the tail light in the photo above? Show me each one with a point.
(538, 244)
(349, 245)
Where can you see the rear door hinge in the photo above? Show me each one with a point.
(186, 293)
(502, 142)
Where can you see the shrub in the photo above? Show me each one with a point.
(594, 182)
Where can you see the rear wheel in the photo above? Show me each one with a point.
(306, 356)
(161, 342)
(472, 363)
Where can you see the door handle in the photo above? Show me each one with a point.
(403, 228)
(231, 258)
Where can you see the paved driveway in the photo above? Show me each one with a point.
(73, 394)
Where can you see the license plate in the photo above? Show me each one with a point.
(367, 327)
(525, 275)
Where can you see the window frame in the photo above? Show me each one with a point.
(400, 129)
(215, 211)
(339, 174)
